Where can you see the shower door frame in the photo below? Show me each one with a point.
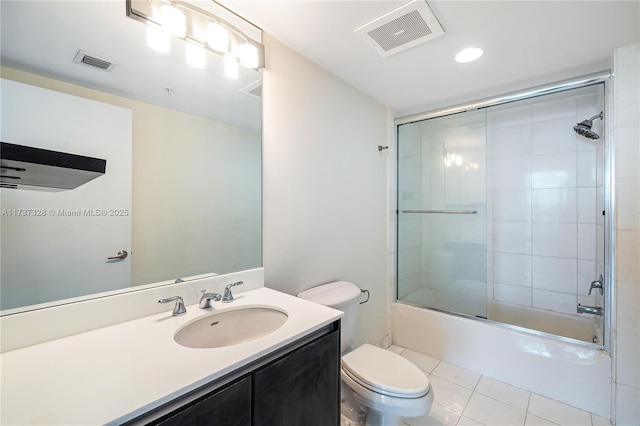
(603, 77)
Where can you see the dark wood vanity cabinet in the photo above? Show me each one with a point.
(227, 406)
(298, 385)
(302, 388)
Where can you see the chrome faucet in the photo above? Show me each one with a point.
(589, 310)
(597, 284)
(228, 297)
(179, 308)
(205, 300)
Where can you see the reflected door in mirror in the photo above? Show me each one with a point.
(56, 245)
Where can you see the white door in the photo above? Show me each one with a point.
(55, 245)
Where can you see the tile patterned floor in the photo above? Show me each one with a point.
(465, 398)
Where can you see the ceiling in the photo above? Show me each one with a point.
(526, 43)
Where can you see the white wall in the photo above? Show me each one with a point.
(626, 137)
(324, 183)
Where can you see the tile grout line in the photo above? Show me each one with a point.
(467, 403)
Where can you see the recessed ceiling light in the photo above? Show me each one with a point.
(469, 54)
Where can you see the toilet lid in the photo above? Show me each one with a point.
(385, 372)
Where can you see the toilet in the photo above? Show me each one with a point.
(385, 385)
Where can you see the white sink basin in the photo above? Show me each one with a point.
(230, 327)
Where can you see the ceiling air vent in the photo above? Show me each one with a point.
(94, 61)
(407, 26)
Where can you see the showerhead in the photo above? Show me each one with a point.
(584, 128)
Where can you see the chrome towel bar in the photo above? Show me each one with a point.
(442, 211)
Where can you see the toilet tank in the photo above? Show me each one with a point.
(341, 295)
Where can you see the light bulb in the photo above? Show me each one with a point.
(458, 160)
(173, 20)
(469, 55)
(230, 66)
(248, 55)
(158, 40)
(217, 37)
(195, 54)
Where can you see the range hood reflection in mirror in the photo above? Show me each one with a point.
(26, 167)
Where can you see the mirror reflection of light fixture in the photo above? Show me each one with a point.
(196, 54)
(471, 166)
(173, 20)
(450, 159)
(230, 66)
(158, 40)
(202, 30)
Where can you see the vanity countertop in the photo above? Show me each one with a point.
(116, 373)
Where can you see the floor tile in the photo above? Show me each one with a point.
(503, 392)
(438, 415)
(423, 362)
(396, 349)
(491, 412)
(537, 421)
(557, 412)
(465, 421)
(457, 375)
(452, 396)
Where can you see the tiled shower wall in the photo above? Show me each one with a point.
(626, 136)
(542, 203)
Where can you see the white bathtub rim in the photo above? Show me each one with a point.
(512, 327)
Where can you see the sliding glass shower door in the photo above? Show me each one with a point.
(442, 213)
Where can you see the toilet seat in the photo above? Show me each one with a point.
(385, 372)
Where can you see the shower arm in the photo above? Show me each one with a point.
(596, 116)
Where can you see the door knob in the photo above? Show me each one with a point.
(121, 255)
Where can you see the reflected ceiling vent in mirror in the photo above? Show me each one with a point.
(407, 26)
(254, 90)
(94, 61)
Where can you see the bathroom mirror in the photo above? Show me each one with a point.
(191, 206)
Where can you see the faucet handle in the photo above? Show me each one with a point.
(228, 296)
(179, 308)
(597, 284)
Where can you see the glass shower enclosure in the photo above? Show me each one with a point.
(500, 214)
(442, 203)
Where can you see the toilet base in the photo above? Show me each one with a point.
(378, 418)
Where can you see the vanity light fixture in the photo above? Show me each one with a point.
(217, 37)
(469, 54)
(248, 55)
(202, 31)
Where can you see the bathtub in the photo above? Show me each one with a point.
(578, 374)
(583, 328)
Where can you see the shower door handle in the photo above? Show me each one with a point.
(442, 211)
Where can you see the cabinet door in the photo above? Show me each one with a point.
(302, 388)
(230, 406)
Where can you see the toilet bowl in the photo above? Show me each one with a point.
(387, 386)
